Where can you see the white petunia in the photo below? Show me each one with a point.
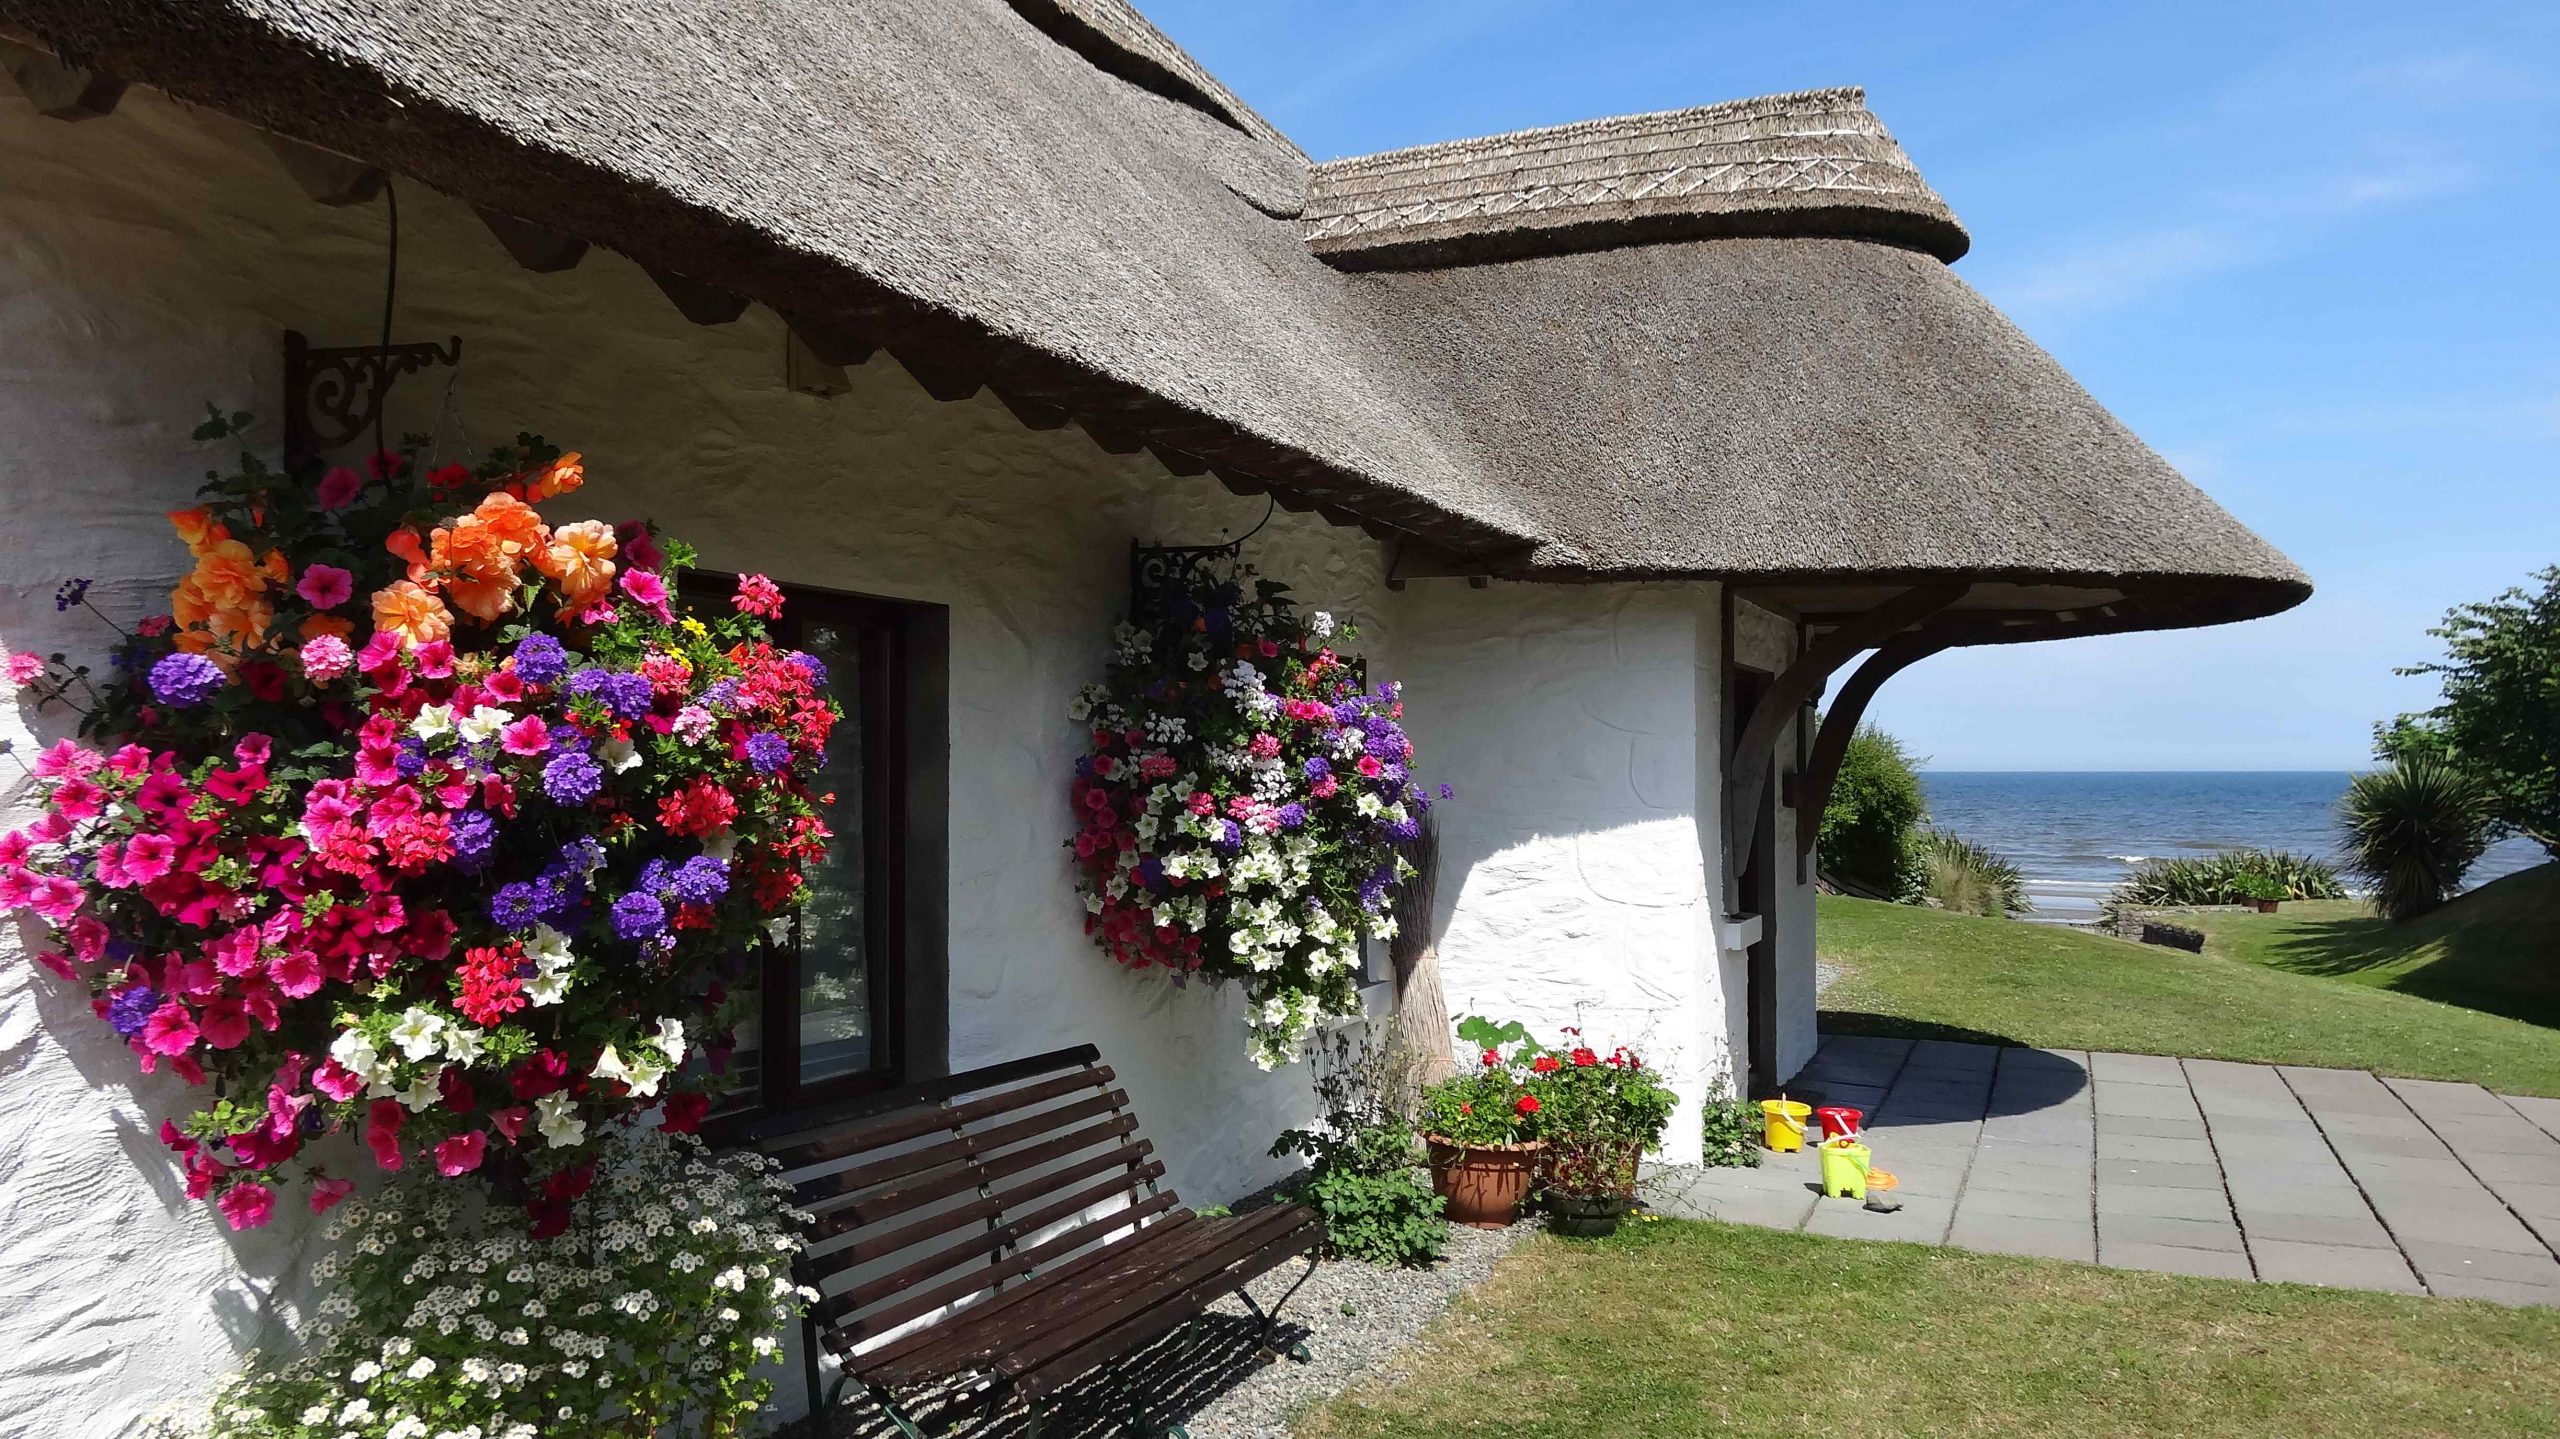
(418, 1033)
(671, 1040)
(555, 1115)
(483, 723)
(433, 722)
(618, 755)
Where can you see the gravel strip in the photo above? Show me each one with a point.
(1354, 1318)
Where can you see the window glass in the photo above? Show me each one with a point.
(835, 961)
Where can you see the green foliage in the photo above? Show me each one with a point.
(1731, 1129)
(1868, 824)
(2499, 718)
(2260, 887)
(1966, 877)
(2413, 831)
(1362, 1159)
(2223, 879)
(1479, 1106)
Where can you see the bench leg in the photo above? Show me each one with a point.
(889, 1405)
(1297, 1349)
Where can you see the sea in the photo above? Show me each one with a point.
(2075, 835)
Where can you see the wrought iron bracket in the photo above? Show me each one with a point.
(332, 396)
(1157, 573)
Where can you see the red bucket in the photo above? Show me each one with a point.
(1839, 1119)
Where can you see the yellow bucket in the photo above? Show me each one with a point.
(1844, 1169)
(1782, 1124)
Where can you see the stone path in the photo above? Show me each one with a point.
(2195, 1166)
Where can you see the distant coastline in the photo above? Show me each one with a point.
(2076, 834)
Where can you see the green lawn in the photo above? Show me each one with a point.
(1913, 971)
(1677, 1329)
(2495, 949)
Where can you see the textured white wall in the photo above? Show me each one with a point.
(1574, 870)
(150, 261)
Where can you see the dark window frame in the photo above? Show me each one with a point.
(879, 713)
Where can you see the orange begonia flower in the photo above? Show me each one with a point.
(580, 561)
(314, 626)
(197, 528)
(411, 611)
(557, 478)
(404, 544)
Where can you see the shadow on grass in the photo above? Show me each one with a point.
(2495, 968)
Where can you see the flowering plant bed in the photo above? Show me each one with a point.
(651, 1314)
(1480, 1128)
(422, 818)
(1241, 803)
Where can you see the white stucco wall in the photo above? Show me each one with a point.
(150, 261)
(1574, 879)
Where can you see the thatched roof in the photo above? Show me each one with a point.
(1809, 163)
(1720, 343)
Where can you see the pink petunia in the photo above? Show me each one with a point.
(24, 668)
(649, 592)
(434, 659)
(339, 488)
(247, 1205)
(254, 749)
(510, 1121)
(148, 856)
(169, 1030)
(382, 1132)
(224, 1024)
(325, 587)
(17, 888)
(297, 973)
(461, 1154)
(527, 736)
(13, 848)
(78, 799)
(57, 898)
(337, 1081)
(327, 1193)
(68, 757)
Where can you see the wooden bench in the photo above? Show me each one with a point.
(975, 1243)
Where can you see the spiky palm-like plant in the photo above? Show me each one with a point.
(1968, 878)
(2412, 832)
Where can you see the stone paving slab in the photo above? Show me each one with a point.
(2279, 1173)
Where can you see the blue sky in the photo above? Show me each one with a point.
(2310, 252)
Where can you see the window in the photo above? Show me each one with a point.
(834, 992)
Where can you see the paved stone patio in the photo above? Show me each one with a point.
(2194, 1166)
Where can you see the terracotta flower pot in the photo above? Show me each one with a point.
(1483, 1184)
(2266, 906)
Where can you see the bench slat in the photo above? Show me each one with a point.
(921, 1301)
(864, 1250)
(979, 1246)
(914, 1121)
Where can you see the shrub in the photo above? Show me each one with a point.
(1598, 1116)
(2263, 887)
(1967, 878)
(2413, 831)
(2499, 719)
(1361, 1160)
(652, 1313)
(1730, 1131)
(1867, 825)
(2218, 879)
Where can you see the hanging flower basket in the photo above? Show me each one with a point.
(421, 818)
(1241, 802)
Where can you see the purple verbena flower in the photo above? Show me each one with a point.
(410, 757)
(699, 880)
(474, 834)
(572, 778)
(541, 660)
(1292, 815)
(514, 906)
(129, 1009)
(817, 668)
(1319, 767)
(768, 751)
(639, 916)
(184, 679)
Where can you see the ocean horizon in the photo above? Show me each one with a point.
(2076, 834)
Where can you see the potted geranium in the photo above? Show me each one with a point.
(1479, 1129)
(2263, 892)
(1597, 1116)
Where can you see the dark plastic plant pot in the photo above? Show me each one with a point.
(1587, 1216)
(1483, 1184)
